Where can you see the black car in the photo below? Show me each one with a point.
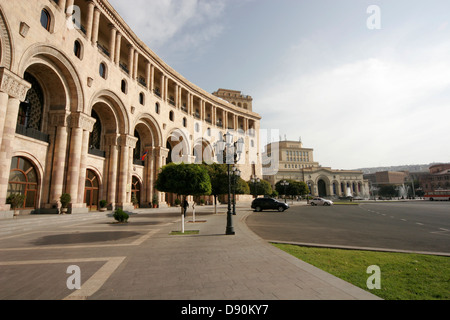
(261, 204)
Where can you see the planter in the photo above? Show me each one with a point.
(64, 210)
(102, 209)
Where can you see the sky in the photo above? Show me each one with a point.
(363, 83)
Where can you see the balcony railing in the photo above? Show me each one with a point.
(32, 133)
(97, 152)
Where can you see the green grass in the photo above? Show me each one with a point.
(403, 276)
(187, 232)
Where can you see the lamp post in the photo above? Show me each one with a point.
(284, 184)
(255, 180)
(231, 154)
(236, 175)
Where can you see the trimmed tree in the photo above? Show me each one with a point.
(184, 180)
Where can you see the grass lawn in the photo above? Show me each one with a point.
(187, 232)
(403, 276)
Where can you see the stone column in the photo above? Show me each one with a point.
(131, 60)
(118, 45)
(112, 142)
(127, 144)
(68, 5)
(152, 78)
(90, 18)
(149, 174)
(4, 97)
(16, 89)
(83, 165)
(95, 25)
(60, 121)
(136, 65)
(62, 4)
(147, 74)
(112, 42)
(78, 149)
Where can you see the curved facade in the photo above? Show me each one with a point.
(88, 109)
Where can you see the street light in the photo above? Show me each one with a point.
(284, 184)
(255, 180)
(236, 176)
(231, 154)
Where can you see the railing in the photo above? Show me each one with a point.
(32, 133)
(138, 162)
(97, 152)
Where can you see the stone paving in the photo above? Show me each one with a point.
(141, 260)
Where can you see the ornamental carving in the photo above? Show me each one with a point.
(13, 85)
(128, 141)
(83, 121)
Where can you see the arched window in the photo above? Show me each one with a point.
(123, 86)
(141, 98)
(45, 19)
(23, 179)
(171, 116)
(95, 137)
(77, 49)
(157, 108)
(137, 150)
(102, 70)
(184, 122)
(31, 110)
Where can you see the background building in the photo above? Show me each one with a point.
(297, 163)
(437, 179)
(88, 109)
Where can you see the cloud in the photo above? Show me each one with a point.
(164, 22)
(370, 111)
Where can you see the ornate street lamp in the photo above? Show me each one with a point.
(231, 154)
(236, 176)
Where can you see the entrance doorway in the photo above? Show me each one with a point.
(322, 186)
(91, 191)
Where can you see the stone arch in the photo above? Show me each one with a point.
(6, 45)
(112, 110)
(323, 186)
(203, 151)
(177, 143)
(150, 131)
(50, 65)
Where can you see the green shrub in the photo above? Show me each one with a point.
(103, 203)
(121, 216)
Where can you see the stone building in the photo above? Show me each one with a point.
(88, 109)
(297, 163)
(437, 179)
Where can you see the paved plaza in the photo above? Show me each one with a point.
(142, 260)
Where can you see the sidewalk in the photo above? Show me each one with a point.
(214, 266)
(206, 266)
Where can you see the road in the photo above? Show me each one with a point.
(403, 226)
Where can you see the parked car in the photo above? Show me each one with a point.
(321, 202)
(261, 204)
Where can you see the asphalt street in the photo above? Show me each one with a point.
(419, 226)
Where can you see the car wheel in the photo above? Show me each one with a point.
(313, 204)
(258, 209)
(326, 204)
(280, 209)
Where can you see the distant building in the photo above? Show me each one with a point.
(297, 163)
(387, 177)
(438, 178)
